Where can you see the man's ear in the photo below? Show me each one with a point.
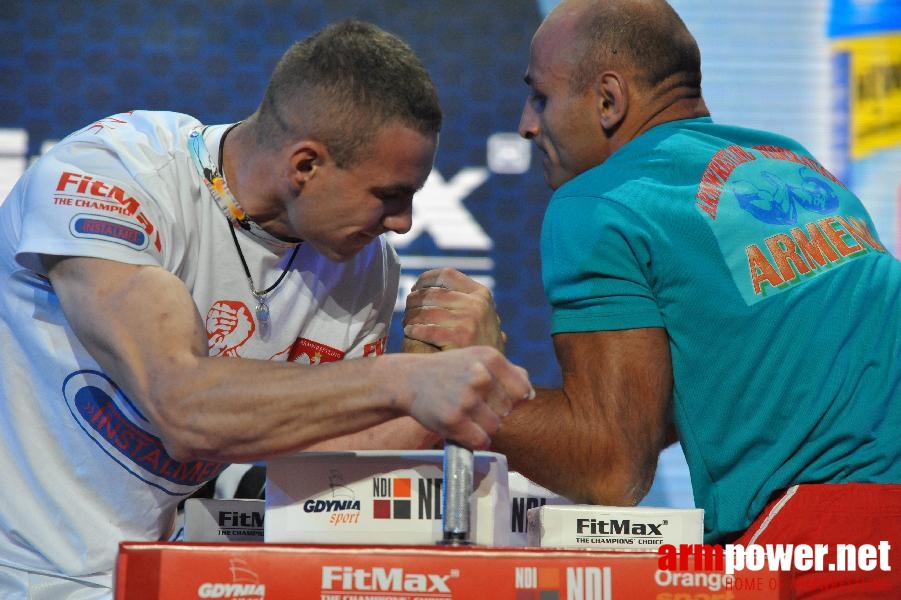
(612, 92)
(307, 158)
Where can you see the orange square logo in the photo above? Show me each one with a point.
(548, 578)
(402, 488)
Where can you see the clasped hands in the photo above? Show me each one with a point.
(446, 310)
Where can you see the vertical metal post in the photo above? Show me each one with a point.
(456, 492)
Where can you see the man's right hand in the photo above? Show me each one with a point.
(464, 394)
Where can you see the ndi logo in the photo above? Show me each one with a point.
(537, 583)
(392, 497)
(582, 583)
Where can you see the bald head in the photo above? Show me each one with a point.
(600, 74)
(644, 38)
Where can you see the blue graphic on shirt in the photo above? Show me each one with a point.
(115, 424)
(780, 218)
(814, 194)
(775, 201)
(108, 229)
(771, 204)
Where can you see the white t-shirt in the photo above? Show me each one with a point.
(81, 467)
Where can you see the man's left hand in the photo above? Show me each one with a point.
(448, 310)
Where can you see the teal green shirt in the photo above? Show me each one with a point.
(780, 302)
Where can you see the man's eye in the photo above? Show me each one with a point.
(539, 101)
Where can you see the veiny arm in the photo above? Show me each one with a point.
(598, 438)
(141, 325)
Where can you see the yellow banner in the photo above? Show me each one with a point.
(874, 89)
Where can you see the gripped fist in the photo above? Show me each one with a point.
(411, 346)
(464, 394)
(447, 310)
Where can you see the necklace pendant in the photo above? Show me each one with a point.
(262, 311)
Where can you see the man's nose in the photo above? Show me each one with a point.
(399, 222)
(528, 123)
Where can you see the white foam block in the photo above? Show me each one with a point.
(525, 495)
(635, 528)
(379, 497)
(209, 520)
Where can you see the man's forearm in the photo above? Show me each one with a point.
(571, 453)
(400, 434)
(532, 438)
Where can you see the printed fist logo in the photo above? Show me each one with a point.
(228, 327)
